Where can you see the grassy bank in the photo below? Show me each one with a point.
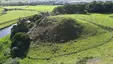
(4, 48)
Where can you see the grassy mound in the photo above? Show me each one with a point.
(57, 30)
(92, 37)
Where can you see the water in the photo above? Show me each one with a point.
(5, 31)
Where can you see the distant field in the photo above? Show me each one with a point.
(1, 9)
(41, 8)
(10, 15)
(15, 14)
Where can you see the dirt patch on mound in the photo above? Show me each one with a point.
(56, 30)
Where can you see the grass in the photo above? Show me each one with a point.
(94, 42)
(4, 48)
(11, 15)
(15, 14)
(102, 19)
(41, 8)
(87, 45)
(1, 10)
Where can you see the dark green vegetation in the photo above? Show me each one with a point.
(93, 7)
(20, 45)
(20, 27)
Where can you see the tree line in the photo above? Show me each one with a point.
(92, 7)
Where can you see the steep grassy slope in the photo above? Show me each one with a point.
(4, 48)
(92, 37)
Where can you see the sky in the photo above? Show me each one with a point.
(88, 0)
(55, 0)
(74, 0)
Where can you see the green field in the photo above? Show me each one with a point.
(15, 14)
(11, 15)
(40, 8)
(95, 41)
(1, 10)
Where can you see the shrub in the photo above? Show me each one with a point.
(20, 44)
(21, 26)
(59, 10)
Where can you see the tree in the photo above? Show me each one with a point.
(21, 26)
(20, 44)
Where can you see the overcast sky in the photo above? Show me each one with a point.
(75, 0)
(55, 0)
(90, 0)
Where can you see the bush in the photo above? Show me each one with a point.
(21, 26)
(59, 10)
(20, 44)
